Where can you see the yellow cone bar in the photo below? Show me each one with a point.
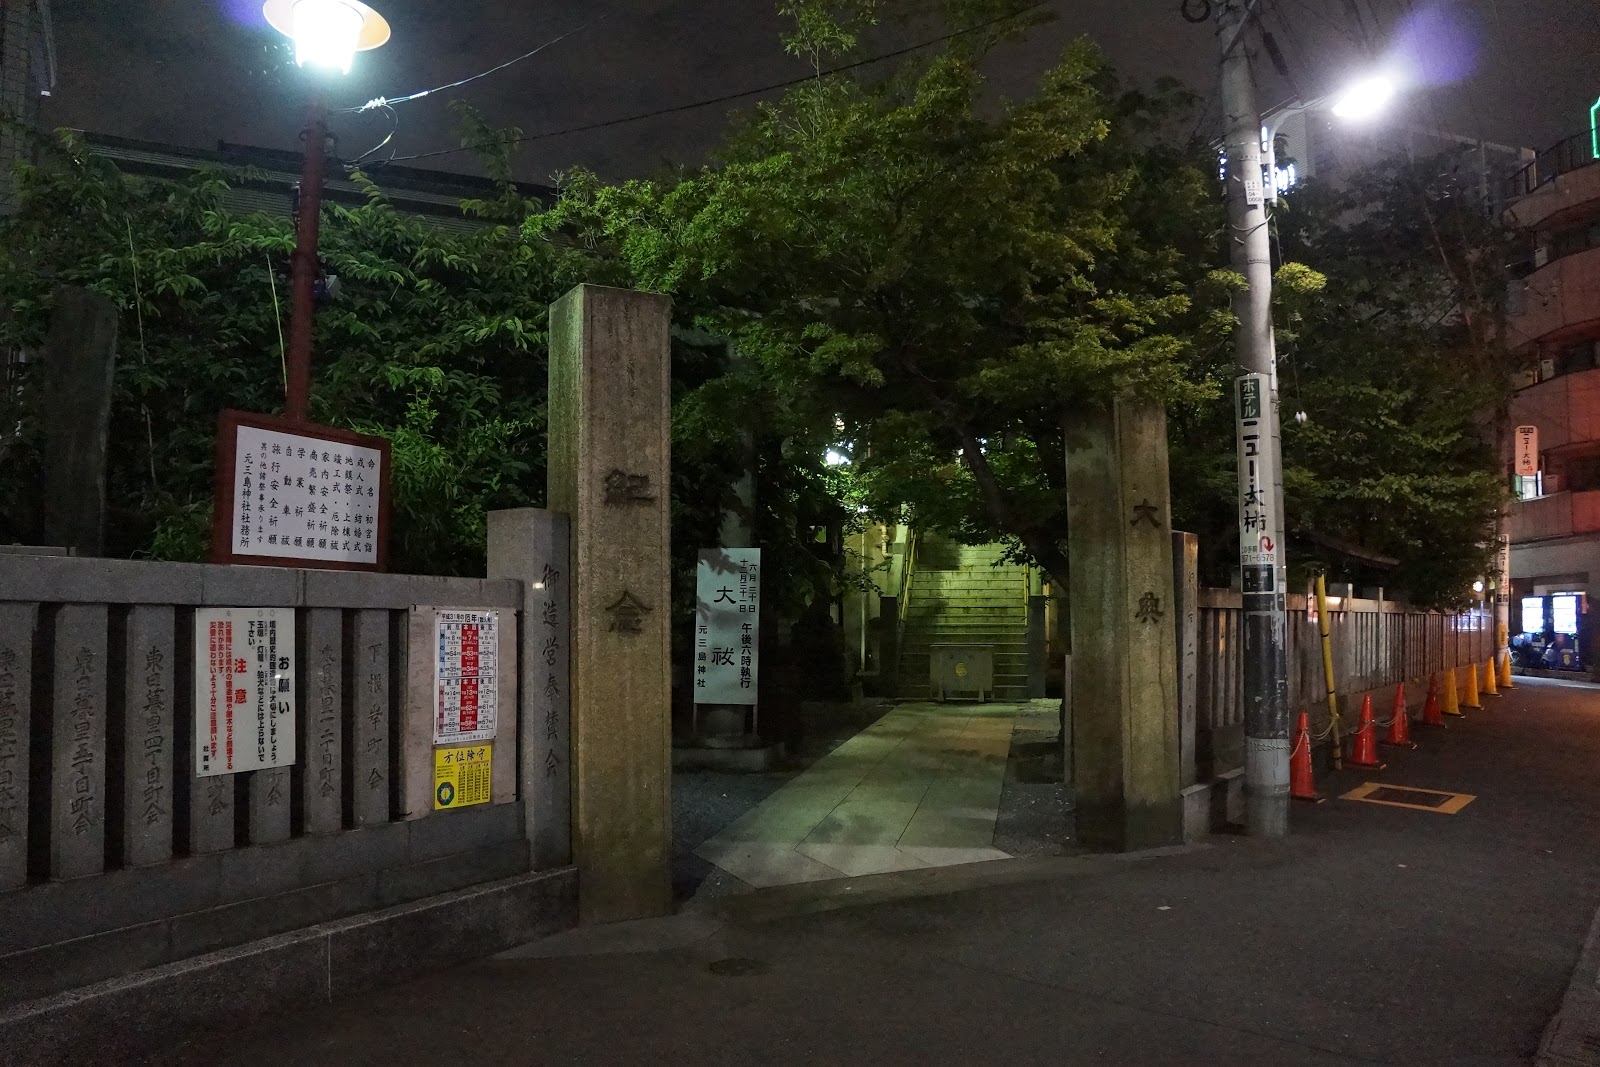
(1327, 672)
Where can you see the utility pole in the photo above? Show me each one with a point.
(309, 207)
(1263, 574)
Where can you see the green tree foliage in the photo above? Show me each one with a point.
(436, 342)
(928, 279)
(1393, 479)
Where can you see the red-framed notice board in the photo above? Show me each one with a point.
(298, 495)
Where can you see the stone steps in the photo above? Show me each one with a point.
(958, 597)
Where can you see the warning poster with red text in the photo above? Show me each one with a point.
(244, 699)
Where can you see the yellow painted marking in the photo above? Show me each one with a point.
(1364, 793)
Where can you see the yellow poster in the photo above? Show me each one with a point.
(461, 776)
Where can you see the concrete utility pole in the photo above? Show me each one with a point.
(1263, 574)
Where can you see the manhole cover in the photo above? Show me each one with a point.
(1425, 797)
(737, 968)
(1405, 796)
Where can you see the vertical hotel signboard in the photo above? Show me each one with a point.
(1527, 445)
(298, 495)
(1257, 493)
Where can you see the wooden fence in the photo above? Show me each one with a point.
(1376, 646)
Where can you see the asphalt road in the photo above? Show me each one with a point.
(1372, 935)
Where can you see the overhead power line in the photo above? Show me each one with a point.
(730, 97)
(384, 101)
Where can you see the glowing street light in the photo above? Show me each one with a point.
(1364, 99)
(327, 34)
(1357, 102)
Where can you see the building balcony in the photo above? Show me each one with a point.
(1556, 515)
(1562, 178)
(1557, 301)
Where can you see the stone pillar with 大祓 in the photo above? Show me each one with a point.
(609, 463)
(1125, 699)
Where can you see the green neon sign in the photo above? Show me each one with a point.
(1594, 129)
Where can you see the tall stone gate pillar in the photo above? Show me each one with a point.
(610, 392)
(1124, 664)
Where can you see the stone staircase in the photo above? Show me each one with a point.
(958, 596)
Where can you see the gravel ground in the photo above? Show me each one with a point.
(1034, 817)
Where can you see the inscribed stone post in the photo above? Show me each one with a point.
(1124, 678)
(368, 733)
(609, 462)
(78, 743)
(17, 622)
(320, 769)
(533, 545)
(148, 738)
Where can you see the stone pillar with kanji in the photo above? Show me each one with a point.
(608, 463)
(1125, 700)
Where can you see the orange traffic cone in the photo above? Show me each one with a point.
(1430, 707)
(1364, 752)
(1301, 784)
(1505, 670)
(1469, 692)
(1400, 722)
(1489, 688)
(1452, 704)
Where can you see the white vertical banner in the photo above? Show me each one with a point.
(244, 701)
(727, 633)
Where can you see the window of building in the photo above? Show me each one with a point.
(1572, 240)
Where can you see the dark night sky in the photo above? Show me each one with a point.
(191, 72)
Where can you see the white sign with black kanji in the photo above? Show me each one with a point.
(727, 633)
(299, 497)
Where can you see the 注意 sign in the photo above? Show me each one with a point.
(244, 700)
(466, 676)
(727, 626)
(299, 495)
(1527, 443)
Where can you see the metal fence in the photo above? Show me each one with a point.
(115, 855)
(1566, 155)
(1376, 645)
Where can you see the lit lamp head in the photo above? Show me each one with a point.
(1364, 99)
(327, 33)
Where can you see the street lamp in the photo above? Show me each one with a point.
(326, 34)
(1357, 102)
(1365, 98)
